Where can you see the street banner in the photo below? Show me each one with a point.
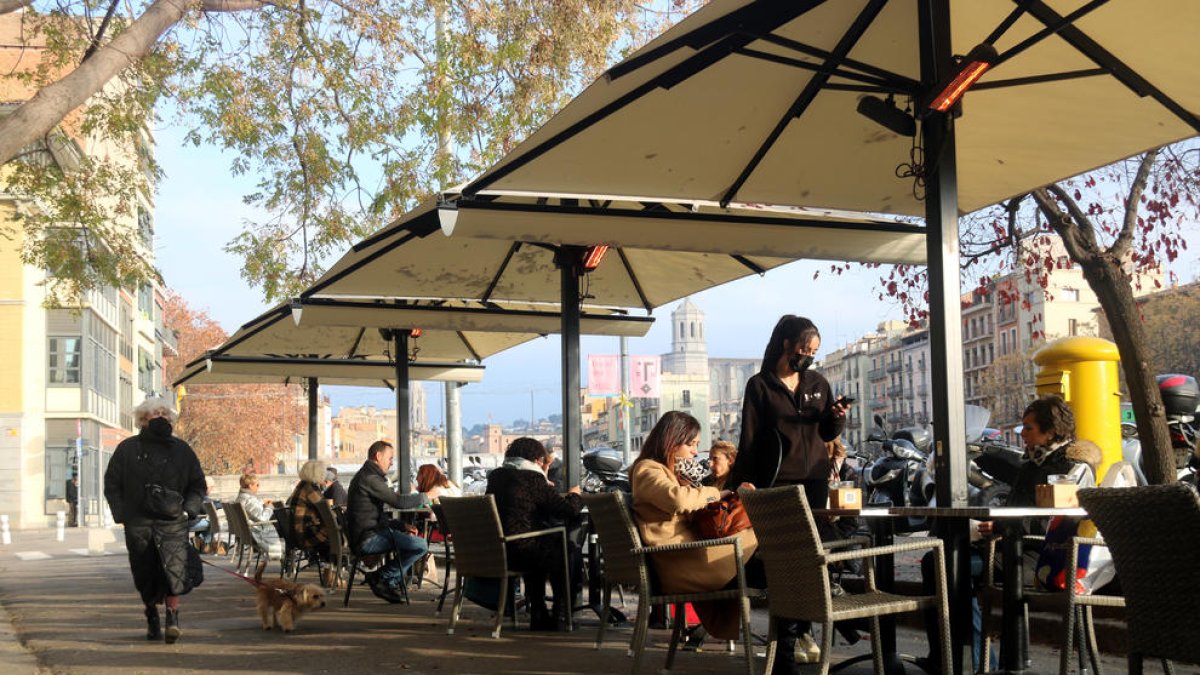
(644, 378)
(604, 375)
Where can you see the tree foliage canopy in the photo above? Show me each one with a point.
(343, 113)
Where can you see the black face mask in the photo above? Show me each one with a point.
(159, 427)
(799, 362)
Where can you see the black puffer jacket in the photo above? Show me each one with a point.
(368, 493)
(160, 556)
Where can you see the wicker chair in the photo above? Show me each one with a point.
(798, 575)
(239, 523)
(480, 551)
(214, 529)
(448, 551)
(1154, 535)
(1076, 609)
(626, 563)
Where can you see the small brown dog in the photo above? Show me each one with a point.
(280, 602)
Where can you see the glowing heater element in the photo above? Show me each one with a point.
(977, 62)
(593, 256)
(415, 332)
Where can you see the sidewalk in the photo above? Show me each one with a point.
(72, 613)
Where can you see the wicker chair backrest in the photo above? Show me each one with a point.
(791, 552)
(239, 524)
(214, 523)
(613, 523)
(333, 531)
(1153, 533)
(474, 524)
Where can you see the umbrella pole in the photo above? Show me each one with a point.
(568, 261)
(453, 422)
(945, 318)
(403, 437)
(313, 388)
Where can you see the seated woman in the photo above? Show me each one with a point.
(666, 492)
(721, 457)
(265, 536)
(1048, 432)
(527, 501)
(436, 484)
(306, 521)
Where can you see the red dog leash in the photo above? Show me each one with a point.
(253, 582)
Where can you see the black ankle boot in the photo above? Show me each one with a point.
(173, 631)
(785, 650)
(153, 628)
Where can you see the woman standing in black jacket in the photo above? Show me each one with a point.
(788, 414)
(163, 563)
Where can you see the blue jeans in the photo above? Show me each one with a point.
(408, 549)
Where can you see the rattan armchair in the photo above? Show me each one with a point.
(798, 576)
(240, 524)
(480, 550)
(1153, 534)
(626, 563)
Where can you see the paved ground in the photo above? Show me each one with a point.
(64, 611)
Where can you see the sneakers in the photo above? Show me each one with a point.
(807, 651)
(382, 589)
(173, 631)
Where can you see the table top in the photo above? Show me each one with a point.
(985, 512)
(869, 512)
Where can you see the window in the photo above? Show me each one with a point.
(145, 228)
(64, 360)
(1072, 327)
(1070, 295)
(687, 398)
(693, 326)
(146, 301)
(145, 372)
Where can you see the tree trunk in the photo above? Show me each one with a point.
(37, 116)
(1112, 287)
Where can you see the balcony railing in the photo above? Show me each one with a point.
(894, 367)
(878, 403)
(895, 390)
(875, 374)
(922, 390)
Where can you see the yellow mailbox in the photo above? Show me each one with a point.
(1083, 370)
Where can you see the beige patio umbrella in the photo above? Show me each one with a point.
(760, 102)
(357, 338)
(413, 258)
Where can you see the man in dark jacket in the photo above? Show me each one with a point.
(528, 501)
(334, 489)
(371, 533)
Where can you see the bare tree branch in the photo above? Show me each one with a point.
(1125, 237)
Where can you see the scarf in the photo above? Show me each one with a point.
(522, 464)
(690, 471)
(1038, 454)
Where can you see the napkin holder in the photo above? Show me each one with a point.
(845, 498)
(1057, 496)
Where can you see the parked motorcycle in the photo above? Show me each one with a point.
(604, 471)
(898, 476)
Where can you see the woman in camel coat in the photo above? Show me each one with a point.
(666, 492)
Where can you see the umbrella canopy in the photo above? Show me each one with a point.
(451, 331)
(412, 258)
(755, 102)
(465, 317)
(695, 226)
(362, 372)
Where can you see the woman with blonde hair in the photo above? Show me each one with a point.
(306, 521)
(265, 536)
(154, 485)
(667, 491)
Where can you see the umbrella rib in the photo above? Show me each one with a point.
(818, 80)
(706, 34)
(500, 272)
(825, 70)
(894, 79)
(637, 285)
(359, 264)
(760, 271)
(668, 78)
(1050, 28)
(1075, 37)
(357, 342)
(1038, 79)
(467, 344)
(430, 225)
